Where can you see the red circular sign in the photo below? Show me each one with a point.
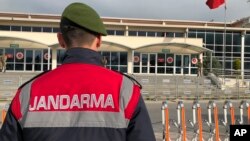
(19, 55)
(170, 60)
(194, 60)
(46, 56)
(136, 59)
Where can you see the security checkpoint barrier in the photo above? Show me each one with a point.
(212, 105)
(4, 112)
(165, 122)
(228, 104)
(197, 122)
(245, 104)
(181, 122)
(197, 125)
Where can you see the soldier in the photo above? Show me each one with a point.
(199, 68)
(81, 99)
(3, 59)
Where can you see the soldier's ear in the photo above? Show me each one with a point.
(99, 41)
(61, 40)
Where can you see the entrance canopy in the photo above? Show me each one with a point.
(20, 43)
(175, 48)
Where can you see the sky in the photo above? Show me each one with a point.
(195, 10)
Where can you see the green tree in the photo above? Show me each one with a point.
(237, 66)
(216, 65)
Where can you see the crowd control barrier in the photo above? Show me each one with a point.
(197, 125)
(244, 104)
(181, 122)
(212, 106)
(228, 104)
(212, 133)
(165, 121)
(4, 112)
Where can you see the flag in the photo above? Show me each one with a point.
(212, 4)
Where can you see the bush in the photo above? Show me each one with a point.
(216, 65)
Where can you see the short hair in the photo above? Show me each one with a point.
(75, 35)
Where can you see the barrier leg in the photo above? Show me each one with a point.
(183, 124)
(232, 116)
(248, 114)
(3, 115)
(167, 136)
(200, 123)
(216, 122)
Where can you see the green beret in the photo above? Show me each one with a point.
(84, 16)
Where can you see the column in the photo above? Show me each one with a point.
(126, 31)
(243, 33)
(130, 61)
(54, 57)
(49, 56)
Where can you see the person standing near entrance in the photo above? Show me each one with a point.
(199, 68)
(81, 99)
(3, 60)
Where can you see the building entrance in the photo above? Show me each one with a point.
(182, 64)
(162, 63)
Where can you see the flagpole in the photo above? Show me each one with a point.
(224, 39)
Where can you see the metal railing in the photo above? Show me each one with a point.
(156, 86)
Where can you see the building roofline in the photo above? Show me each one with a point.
(120, 21)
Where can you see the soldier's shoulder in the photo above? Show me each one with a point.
(130, 77)
(33, 78)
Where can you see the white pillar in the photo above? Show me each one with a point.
(126, 31)
(49, 56)
(54, 57)
(242, 54)
(130, 61)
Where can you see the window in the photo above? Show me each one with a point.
(218, 38)
(60, 55)
(132, 33)
(111, 32)
(141, 33)
(116, 60)
(191, 35)
(56, 30)
(15, 28)
(179, 34)
(37, 29)
(160, 34)
(26, 28)
(119, 32)
(150, 34)
(5, 27)
(47, 29)
(237, 39)
(209, 38)
(228, 39)
(247, 39)
(169, 34)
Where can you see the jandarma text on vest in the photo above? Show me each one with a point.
(68, 102)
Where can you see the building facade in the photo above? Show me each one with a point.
(140, 46)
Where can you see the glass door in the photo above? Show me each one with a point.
(182, 64)
(152, 63)
(186, 62)
(178, 64)
(144, 63)
(38, 60)
(148, 63)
